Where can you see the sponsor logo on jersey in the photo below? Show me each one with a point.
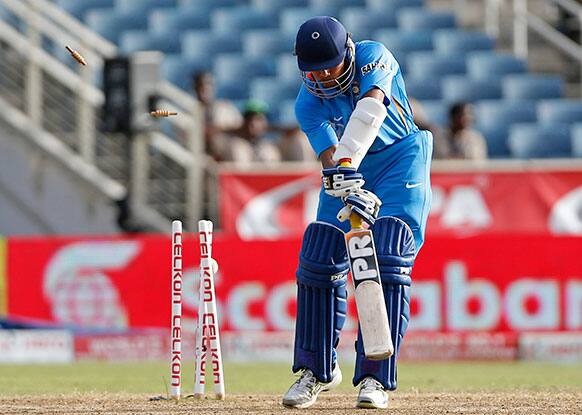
(369, 67)
(338, 126)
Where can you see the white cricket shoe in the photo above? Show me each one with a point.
(303, 393)
(372, 395)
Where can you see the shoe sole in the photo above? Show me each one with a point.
(304, 404)
(371, 405)
(300, 406)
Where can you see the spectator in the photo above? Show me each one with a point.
(422, 120)
(249, 144)
(219, 115)
(461, 141)
(294, 146)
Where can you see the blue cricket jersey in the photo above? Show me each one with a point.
(324, 120)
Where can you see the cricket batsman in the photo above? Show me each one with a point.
(355, 112)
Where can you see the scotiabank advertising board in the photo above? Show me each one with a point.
(464, 203)
(495, 283)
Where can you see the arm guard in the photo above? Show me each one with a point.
(361, 130)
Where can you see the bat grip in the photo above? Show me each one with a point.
(356, 221)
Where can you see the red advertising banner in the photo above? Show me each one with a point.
(494, 283)
(277, 346)
(3, 294)
(280, 205)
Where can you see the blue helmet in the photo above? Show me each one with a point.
(322, 43)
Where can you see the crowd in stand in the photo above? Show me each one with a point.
(247, 136)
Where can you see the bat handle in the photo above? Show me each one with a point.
(355, 220)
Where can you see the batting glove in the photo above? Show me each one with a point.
(362, 202)
(340, 181)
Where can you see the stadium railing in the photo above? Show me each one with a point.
(524, 19)
(57, 105)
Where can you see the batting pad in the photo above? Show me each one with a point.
(321, 299)
(396, 250)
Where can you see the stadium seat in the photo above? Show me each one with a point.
(496, 139)
(170, 20)
(395, 39)
(539, 140)
(135, 40)
(458, 88)
(428, 64)
(143, 6)
(423, 88)
(501, 113)
(180, 69)
(80, 8)
(286, 113)
(567, 111)
(110, 23)
(483, 65)
(362, 22)
(236, 91)
(240, 104)
(455, 42)
(236, 67)
(241, 18)
(412, 19)
(205, 44)
(287, 67)
(272, 90)
(267, 42)
(291, 18)
(393, 4)
(402, 43)
(577, 140)
(277, 5)
(437, 111)
(494, 117)
(211, 4)
(527, 86)
(339, 4)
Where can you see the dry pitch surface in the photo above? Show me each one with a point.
(553, 402)
(424, 388)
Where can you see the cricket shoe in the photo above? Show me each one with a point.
(372, 395)
(303, 393)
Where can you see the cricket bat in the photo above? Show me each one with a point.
(370, 302)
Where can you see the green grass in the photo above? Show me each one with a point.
(276, 378)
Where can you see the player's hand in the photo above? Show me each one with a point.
(362, 202)
(340, 181)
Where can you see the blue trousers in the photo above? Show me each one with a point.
(400, 176)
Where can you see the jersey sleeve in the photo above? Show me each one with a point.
(377, 67)
(314, 124)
